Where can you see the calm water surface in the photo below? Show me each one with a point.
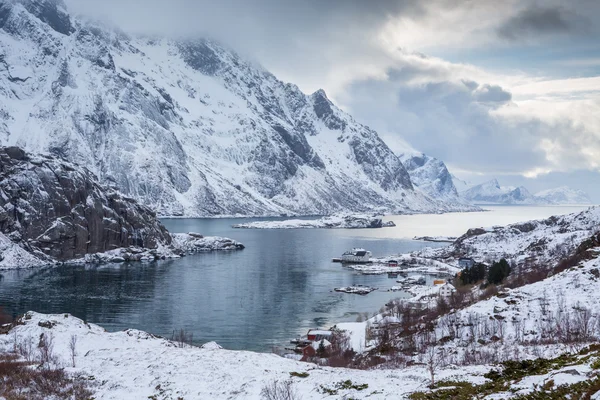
(275, 289)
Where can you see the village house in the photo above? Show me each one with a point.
(310, 351)
(447, 289)
(318, 335)
(465, 262)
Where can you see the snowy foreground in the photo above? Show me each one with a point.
(135, 365)
(334, 221)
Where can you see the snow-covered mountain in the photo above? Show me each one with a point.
(187, 127)
(431, 176)
(564, 195)
(492, 193)
(460, 184)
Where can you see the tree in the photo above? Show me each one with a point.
(498, 272)
(433, 360)
(472, 274)
(321, 350)
(73, 349)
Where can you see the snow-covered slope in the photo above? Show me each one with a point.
(187, 127)
(137, 365)
(492, 193)
(563, 195)
(459, 184)
(542, 243)
(431, 176)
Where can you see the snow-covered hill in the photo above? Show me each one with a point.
(492, 193)
(431, 176)
(564, 195)
(187, 127)
(540, 243)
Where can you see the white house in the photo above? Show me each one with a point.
(447, 289)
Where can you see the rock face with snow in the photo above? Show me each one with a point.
(57, 210)
(187, 127)
(431, 176)
(492, 193)
(563, 195)
(334, 221)
(194, 242)
(53, 210)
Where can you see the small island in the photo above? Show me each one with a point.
(349, 221)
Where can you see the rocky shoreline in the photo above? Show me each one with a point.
(55, 212)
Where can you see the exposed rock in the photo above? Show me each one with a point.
(191, 243)
(58, 209)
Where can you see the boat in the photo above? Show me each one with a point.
(356, 256)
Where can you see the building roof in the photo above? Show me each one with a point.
(319, 332)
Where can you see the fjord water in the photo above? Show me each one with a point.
(278, 287)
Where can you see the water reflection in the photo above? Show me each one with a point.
(276, 288)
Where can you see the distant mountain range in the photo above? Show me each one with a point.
(492, 193)
(190, 128)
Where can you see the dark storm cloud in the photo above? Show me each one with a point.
(541, 21)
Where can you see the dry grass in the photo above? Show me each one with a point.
(21, 380)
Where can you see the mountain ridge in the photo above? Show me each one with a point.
(491, 192)
(188, 127)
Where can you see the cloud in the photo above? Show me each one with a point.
(477, 127)
(536, 21)
(492, 94)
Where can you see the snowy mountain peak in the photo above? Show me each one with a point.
(492, 192)
(492, 184)
(431, 176)
(564, 195)
(188, 127)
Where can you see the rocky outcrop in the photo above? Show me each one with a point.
(57, 210)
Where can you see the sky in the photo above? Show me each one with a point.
(496, 89)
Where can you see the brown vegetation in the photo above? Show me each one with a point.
(22, 380)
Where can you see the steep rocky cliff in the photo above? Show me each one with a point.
(431, 176)
(57, 210)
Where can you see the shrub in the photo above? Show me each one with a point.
(277, 390)
(18, 377)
